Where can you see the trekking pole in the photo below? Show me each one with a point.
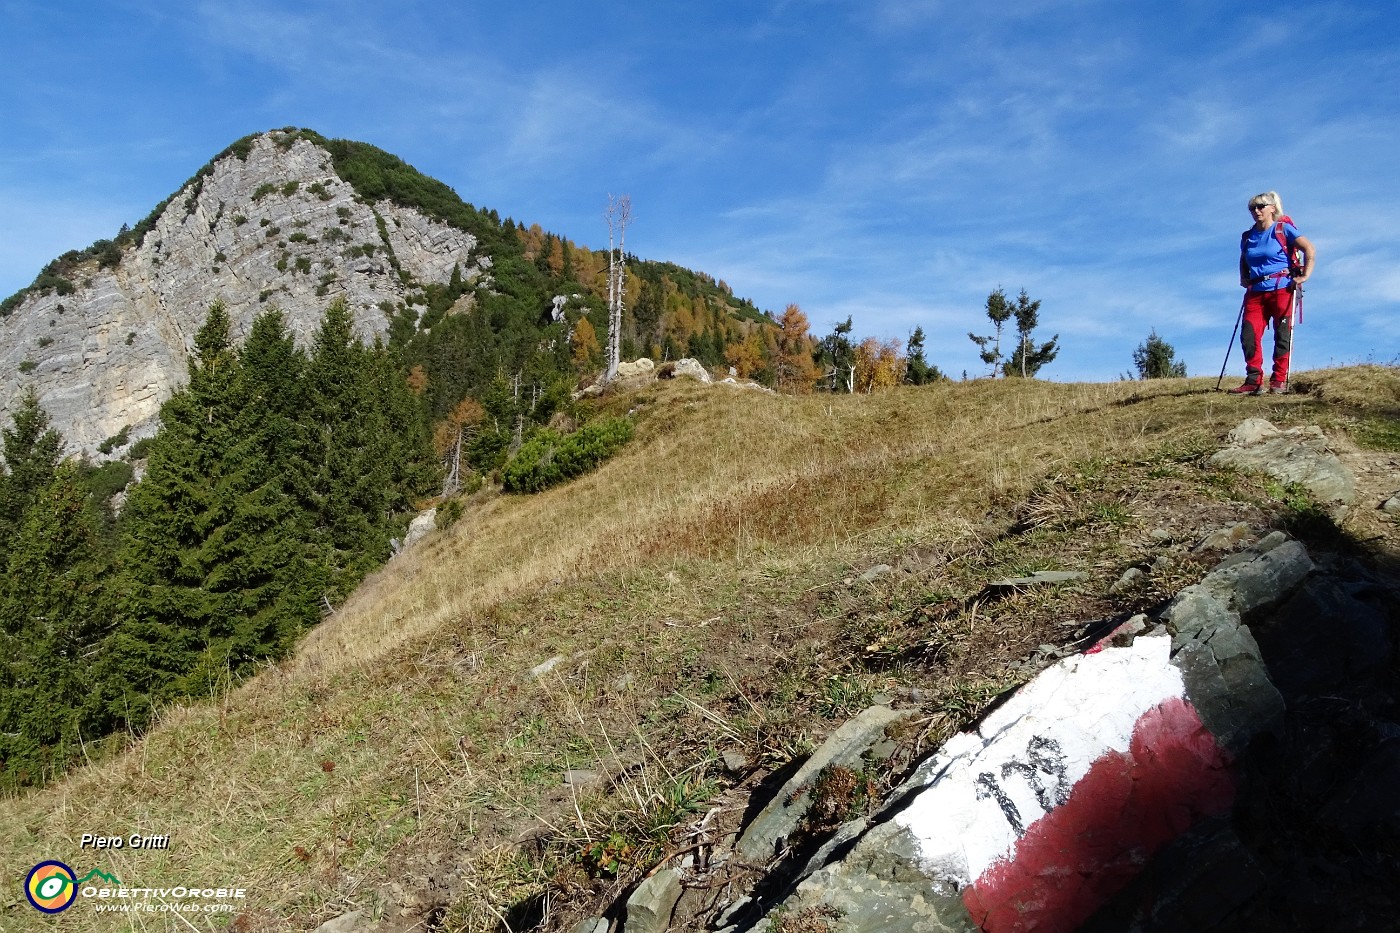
(1231, 345)
(1295, 318)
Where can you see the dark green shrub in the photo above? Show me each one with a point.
(107, 480)
(548, 458)
(449, 512)
(116, 440)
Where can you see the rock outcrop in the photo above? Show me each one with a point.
(1104, 794)
(1225, 763)
(1298, 455)
(274, 228)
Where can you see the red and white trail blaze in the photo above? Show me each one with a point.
(1064, 793)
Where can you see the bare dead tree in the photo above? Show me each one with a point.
(619, 215)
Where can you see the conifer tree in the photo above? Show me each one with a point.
(837, 356)
(584, 344)
(342, 474)
(989, 346)
(51, 605)
(1156, 359)
(367, 453)
(174, 538)
(795, 369)
(1028, 359)
(266, 556)
(31, 455)
(918, 371)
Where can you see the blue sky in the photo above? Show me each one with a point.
(890, 160)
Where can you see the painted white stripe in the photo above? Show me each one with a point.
(1028, 754)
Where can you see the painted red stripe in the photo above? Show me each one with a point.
(1128, 805)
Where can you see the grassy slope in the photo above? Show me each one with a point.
(702, 589)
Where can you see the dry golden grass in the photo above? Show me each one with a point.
(693, 591)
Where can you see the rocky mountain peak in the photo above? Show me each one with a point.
(269, 223)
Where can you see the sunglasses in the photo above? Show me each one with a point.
(1259, 207)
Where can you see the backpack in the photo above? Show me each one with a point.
(1294, 256)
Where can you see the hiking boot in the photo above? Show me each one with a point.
(1249, 388)
(1280, 389)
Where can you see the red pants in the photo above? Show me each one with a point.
(1260, 310)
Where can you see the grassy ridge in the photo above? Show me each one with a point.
(697, 594)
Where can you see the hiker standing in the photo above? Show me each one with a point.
(1269, 274)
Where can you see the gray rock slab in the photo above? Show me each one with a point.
(544, 667)
(1189, 886)
(845, 748)
(650, 906)
(1298, 455)
(356, 921)
(591, 925)
(1262, 580)
(1224, 538)
(875, 573)
(1040, 577)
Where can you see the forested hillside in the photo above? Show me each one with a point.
(277, 481)
(287, 462)
(282, 473)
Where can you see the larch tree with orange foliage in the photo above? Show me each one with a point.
(796, 371)
(746, 356)
(450, 437)
(879, 365)
(585, 344)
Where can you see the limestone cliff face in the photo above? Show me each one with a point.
(278, 229)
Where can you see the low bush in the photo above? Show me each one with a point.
(550, 458)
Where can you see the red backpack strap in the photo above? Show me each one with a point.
(1291, 255)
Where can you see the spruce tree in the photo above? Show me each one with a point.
(1155, 359)
(367, 453)
(51, 604)
(989, 346)
(174, 538)
(1028, 359)
(918, 371)
(32, 451)
(265, 552)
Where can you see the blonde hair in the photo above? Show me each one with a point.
(1268, 198)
